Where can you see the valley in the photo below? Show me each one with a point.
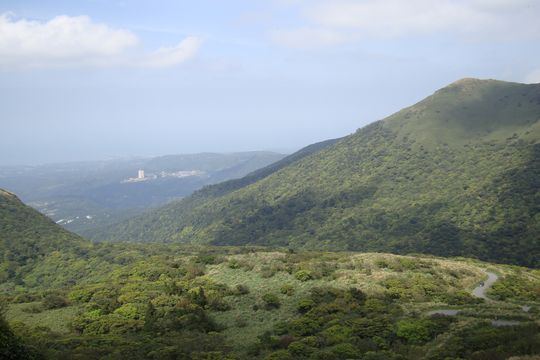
(270, 180)
(416, 237)
(85, 196)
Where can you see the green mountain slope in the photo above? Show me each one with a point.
(172, 212)
(27, 236)
(456, 174)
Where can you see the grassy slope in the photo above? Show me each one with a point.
(351, 271)
(456, 174)
(419, 284)
(27, 235)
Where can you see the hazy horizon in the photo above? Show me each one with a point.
(94, 79)
(129, 157)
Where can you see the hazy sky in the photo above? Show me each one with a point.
(92, 79)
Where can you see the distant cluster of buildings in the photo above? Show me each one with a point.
(141, 176)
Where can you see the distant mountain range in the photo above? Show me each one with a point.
(456, 174)
(85, 195)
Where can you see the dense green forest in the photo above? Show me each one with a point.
(456, 174)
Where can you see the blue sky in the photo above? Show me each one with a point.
(94, 79)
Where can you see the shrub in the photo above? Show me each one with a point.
(267, 272)
(80, 295)
(33, 309)
(106, 299)
(409, 264)
(240, 322)
(234, 264)
(358, 295)
(345, 351)
(336, 334)
(25, 298)
(460, 298)
(194, 270)
(287, 289)
(324, 294)
(304, 326)
(271, 301)
(53, 301)
(279, 355)
(240, 290)
(300, 349)
(304, 305)
(207, 259)
(198, 296)
(415, 331)
(130, 311)
(303, 275)
(216, 302)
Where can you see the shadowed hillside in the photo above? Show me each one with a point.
(456, 174)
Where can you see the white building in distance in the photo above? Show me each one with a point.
(141, 174)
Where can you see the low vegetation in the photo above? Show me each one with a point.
(177, 302)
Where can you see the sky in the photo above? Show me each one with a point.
(100, 79)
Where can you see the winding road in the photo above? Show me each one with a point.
(480, 290)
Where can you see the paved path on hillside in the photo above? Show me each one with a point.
(480, 291)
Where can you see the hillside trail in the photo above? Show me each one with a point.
(480, 290)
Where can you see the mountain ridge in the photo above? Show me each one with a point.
(455, 174)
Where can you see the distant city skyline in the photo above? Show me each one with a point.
(96, 79)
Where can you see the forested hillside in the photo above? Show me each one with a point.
(27, 236)
(211, 192)
(456, 174)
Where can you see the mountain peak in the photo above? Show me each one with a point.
(470, 84)
(468, 81)
(471, 110)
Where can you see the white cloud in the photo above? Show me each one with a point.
(473, 19)
(533, 77)
(77, 40)
(169, 56)
(396, 17)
